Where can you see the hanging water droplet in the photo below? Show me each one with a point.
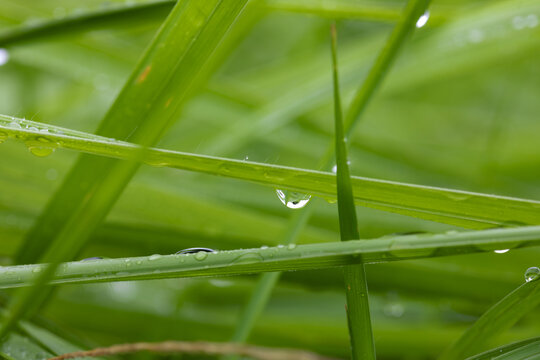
(201, 255)
(41, 146)
(293, 200)
(4, 56)
(3, 136)
(334, 169)
(154, 257)
(532, 273)
(502, 251)
(423, 19)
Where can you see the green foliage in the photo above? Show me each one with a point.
(228, 103)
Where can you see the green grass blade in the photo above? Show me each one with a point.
(461, 208)
(118, 17)
(358, 315)
(515, 351)
(148, 104)
(384, 61)
(497, 319)
(280, 258)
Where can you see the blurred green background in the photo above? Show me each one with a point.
(459, 110)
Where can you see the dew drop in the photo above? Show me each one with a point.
(93, 258)
(532, 273)
(334, 169)
(194, 250)
(36, 270)
(423, 19)
(293, 200)
(201, 255)
(291, 246)
(41, 146)
(502, 251)
(4, 56)
(154, 257)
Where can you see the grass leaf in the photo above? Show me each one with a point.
(358, 316)
(281, 258)
(497, 319)
(461, 208)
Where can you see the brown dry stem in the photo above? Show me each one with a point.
(199, 347)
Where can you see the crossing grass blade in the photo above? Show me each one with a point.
(150, 101)
(496, 320)
(281, 258)
(460, 208)
(358, 315)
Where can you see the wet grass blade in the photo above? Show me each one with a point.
(280, 258)
(519, 350)
(497, 319)
(146, 107)
(461, 208)
(114, 17)
(358, 315)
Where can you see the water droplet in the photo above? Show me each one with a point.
(246, 158)
(519, 22)
(264, 247)
(532, 273)
(194, 250)
(41, 146)
(532, 20)
(394, 310)
(93, 258)
(293, 200)
(139, 262)
(476, 36)
(3, 136)
(502, 251)
(201, 255)
(248, 258)
(51, 174)
(36, 270)
(291, 246)
(423, 19)
(4, 56)
(334, 169)
(154, 257)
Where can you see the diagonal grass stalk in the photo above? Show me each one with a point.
(497, 319)
(525, 349)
